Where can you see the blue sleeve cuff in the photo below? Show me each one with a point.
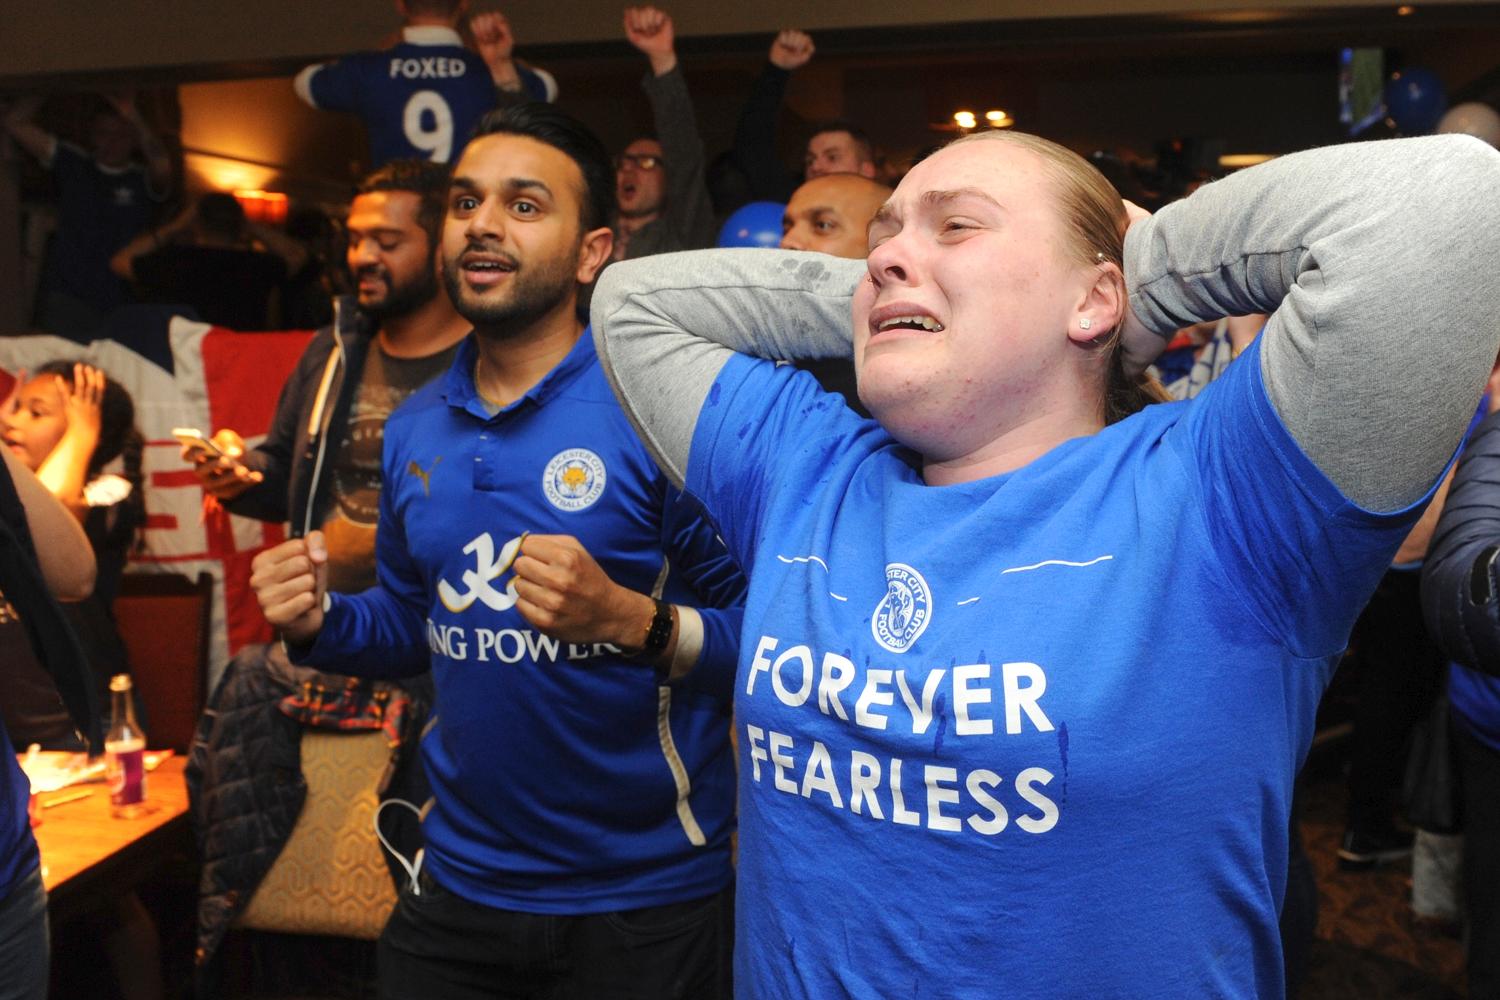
(718, 660)
(366, 635)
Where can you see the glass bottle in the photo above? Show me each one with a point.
(125, 753)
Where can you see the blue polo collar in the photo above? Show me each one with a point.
(458, 383)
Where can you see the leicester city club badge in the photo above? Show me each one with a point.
(574, 479)
(903, 613)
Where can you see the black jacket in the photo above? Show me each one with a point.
(1461, 576)
(687, 220)
(297, 447)
(755, 138)
(246, 788)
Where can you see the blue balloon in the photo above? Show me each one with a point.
(1415, 100)
(757, 224)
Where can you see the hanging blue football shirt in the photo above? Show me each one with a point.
(419, 99)
(99, 210)
(974, 760)
(564, 778)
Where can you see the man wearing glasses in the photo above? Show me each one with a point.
(659, 182)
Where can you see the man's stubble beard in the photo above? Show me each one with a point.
(404, 299)
(535, 291)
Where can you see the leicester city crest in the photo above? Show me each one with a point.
(903, 613)
(574, 479)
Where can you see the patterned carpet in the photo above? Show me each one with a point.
(1370, 946)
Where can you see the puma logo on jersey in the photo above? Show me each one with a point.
(423, 474)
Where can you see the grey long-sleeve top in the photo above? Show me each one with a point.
(1375, 260)
(687, 221)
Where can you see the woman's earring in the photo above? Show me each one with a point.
(1085, 323)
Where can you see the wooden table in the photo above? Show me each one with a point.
(88, 855)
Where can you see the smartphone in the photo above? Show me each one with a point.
(192, 437)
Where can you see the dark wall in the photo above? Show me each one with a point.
(86, 36)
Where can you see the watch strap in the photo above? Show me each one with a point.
(660, 632)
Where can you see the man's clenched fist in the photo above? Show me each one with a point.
(565, 593)
(290, 580)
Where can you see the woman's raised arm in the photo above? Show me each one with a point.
(665, 326)
(1378, 259)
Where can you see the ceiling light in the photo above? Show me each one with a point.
(1233, 161)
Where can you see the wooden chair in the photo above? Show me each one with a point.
(164, 621)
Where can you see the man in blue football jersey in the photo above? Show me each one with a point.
(565, 598)
(419, 99)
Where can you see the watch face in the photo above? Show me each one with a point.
(660, 632)
(1481, 577)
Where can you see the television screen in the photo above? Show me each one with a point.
(1361, 88)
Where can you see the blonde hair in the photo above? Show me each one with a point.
(1095, 221)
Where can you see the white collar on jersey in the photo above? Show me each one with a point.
(431, 34)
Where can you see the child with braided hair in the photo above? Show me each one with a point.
(67, 423)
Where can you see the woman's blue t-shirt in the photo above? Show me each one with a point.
(1033, 735)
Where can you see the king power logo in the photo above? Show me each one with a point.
(478, 581)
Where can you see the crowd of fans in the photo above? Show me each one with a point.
(577, 822)
(125, 231)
